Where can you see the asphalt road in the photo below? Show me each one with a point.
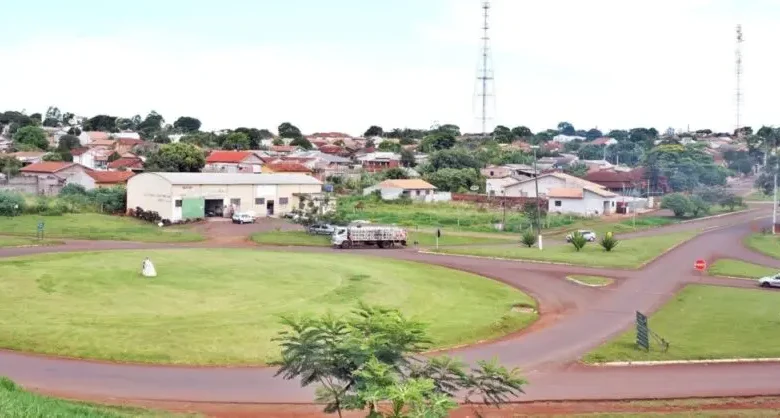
(574, 320)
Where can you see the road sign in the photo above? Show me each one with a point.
(642, 332)
(700, 265)
(438, 233)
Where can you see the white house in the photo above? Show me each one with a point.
(582, 201)
(527, 188)
(414, 189)
(562, 139)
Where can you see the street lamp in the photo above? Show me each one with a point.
(538, 209)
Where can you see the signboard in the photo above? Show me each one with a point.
(328, 188)
(438, 233)
(474, 188)
(642, 332)
(700, 265)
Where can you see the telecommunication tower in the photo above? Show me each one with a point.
(738, 71)
(485, 72)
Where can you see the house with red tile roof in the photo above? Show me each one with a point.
(286, 167)
(233, 162)
(284, 149)
(71, 173)
(135, 164)
(125, 145)
(110, 178)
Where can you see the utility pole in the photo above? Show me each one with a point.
(485, 73)
(538, 209)
(738, 72)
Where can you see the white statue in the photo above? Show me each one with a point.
(147, 268)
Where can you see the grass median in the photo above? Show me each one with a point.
(703, 323)
(767, 244)
(215, 307)
(94, 226)
(12, 241)
(593, 281)
(631, 254)
(425, 239)
(740, 269)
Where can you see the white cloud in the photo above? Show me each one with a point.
(606, 63)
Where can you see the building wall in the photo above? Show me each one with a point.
(86, 159)
(495, 172)
(528, 189)
(590, 205)
(150, 192)
(47, 185)
(78, 176)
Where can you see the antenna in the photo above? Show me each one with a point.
(485, 73)
(738, 70)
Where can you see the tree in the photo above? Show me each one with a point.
(608, 242)
(277, 142)
(389, 146)
(576, 169)
(732, 201)
(591, 152)
(566, 128)
(522, 132)
(394, 173)
(373, 131)
(186, 124)
(302, 142)
(448, 128)
(9, 165)
(619, 135)
(407, 158)
(52, 156)
(151, 126)
(179, 157)
(255, 136)
(37, 118)
(371, 357)
(503, 134)
(31, 136)
(53, 113)
(288, 130)
(593, 134)
(678, 203)
(453, 158)
(113, 157)
(578, 241)
(51, 123)
(67, 143)
(75, 131)
(698, 206)
(455, 180)
(102, 123)
(236, 141)
(438, 141)
(529, 238)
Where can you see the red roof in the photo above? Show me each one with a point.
(601, 141)
(127, 162)
(227, 156)
(111, 177)
(283, 148)
(331, 149)
(288, 167)
(47, 167)
(129, 141)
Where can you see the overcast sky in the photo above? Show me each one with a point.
(343, 65)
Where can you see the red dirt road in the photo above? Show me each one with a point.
(574, 320)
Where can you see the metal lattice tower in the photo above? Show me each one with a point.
(485, 72)
(738, 71)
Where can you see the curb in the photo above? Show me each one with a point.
(517, 260)
(589, 285)
(683, 362)
(716, 216)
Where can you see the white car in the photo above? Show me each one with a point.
(243, 218)
(770, 281)
(589, 236)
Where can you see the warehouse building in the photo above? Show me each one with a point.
(178, 196)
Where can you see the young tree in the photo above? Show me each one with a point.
(678, 203)
(31, 136)
(370, 358)
(407, 158)
(529, 238)
(608, 242)
(578, 241)
(698, 205)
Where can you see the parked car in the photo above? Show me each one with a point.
(589, 236)
(770, 281)
(243, 218)
(321, 229)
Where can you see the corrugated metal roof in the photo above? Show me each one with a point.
(235, 178)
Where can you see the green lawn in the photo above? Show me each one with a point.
(595, 281)
(739, 268)
(425, 239)
(223, 306)
(17, 403)
(12, 241)
(764, 243)
(706, 322)
(631, 253)
(95, 226)
(759, 196)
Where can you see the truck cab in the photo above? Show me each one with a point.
(339, 237)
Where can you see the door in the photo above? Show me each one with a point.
(269, 208)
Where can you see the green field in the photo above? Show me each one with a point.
(758, 196)
(95, 226)
(764, 243)
(595, 281)
(223, 306)
(706, 322)
(425, 239)
(15, 402)
(13, 241)
(630, 254)
(741, 269)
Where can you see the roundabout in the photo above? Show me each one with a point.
(224, 307)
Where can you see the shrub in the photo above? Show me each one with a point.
(578, 241)
(73, 189)
(678, 203)
(148, 216)
(698, 206)
(732, 201)
(11, 204)
(609, 242)
(529, 238)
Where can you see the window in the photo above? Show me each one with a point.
(236, 202)
(178, 203)
(418, 192)
(260, 201)
(613, 204)
(283, 200)
(557, 203)
(491, 173)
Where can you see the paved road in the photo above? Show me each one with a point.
(574, 320)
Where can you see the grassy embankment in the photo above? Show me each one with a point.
(739, 269)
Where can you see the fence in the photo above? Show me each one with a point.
(500, 201)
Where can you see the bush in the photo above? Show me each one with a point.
(73, 189)
(732, 201)
(529, 238)
(578, 241)
(148, 216)
(11, 204)
(698, 206)
(678, 203)
(609, 242)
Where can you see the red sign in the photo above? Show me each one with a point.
(700, 265)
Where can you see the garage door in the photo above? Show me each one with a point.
(193, 208)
